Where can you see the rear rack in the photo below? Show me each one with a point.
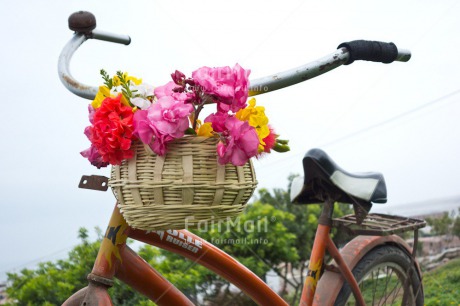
(377, 224)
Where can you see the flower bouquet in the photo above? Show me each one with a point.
(170, 169)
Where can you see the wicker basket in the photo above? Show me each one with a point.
(182, 188)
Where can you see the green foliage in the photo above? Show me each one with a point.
(272, 235)
(124, 83)
(440, 226)
(441, 286)
(447, 224)
(258, 239)
(456, 225)
(107, 79)
(52, 283)
(190, 278)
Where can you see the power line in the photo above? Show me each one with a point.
(349, 109)
(374, 126)
(395, 118)
(36, 260)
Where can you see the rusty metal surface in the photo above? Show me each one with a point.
(378, 224)
(79, 89)
(82, 22)
(70, 81)
(315, 265)
(93, 295)
(100, 280)
(116, 259)
(94, 182)
(345, 271)
(299, 74)
(331, 282)
(77, 298)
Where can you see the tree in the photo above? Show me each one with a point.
(440, 225)
(456, 227)
(272, 235)
(258, 239)
(52, 283)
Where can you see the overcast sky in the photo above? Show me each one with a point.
(402, 117)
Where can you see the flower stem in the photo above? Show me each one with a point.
(197, 113)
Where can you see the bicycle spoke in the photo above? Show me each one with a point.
(375, 286)
(386, 295)
(382, 286)
(394, 291)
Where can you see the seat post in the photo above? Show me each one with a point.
(326, 214)
(315, 265)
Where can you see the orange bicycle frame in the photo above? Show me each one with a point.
(116, 259)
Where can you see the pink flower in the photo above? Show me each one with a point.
(165, 120)
(92, 154)
(239, 145)
(229, 86)
(91, 112)
(169, 90)
(178, 77)
(165, 90)
(170, 116)
(148, 133)
(159, 144)
(217, 121)
(142, 128)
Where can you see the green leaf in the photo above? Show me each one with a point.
(281, 148)
(190, 131)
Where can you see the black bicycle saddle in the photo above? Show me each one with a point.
(323, 178)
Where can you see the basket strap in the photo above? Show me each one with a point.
(132, 176)
(158, 191)
(241, 180)
(187, 192)
(220, 179)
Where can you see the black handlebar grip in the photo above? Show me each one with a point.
(374, 51)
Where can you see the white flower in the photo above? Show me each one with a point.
(140, 102)
(143, 90)
(141, 94)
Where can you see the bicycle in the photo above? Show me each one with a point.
(376, 255)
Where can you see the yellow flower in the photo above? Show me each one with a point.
(125, 101)
(204, 129)
(103, 93)
(260, 124)
(245, 113)
(135, 80)
(116, 81)
(255, 116)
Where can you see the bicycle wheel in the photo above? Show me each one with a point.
(381, 275)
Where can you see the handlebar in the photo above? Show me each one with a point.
(84, 24)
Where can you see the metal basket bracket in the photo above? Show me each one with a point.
(94, 182)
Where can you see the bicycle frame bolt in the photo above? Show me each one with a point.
(82, 22)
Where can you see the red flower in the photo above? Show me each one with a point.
(112, 131)
(270, 141)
